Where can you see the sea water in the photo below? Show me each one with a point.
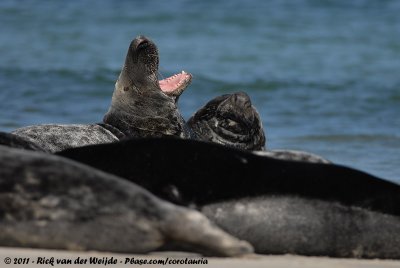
(324, 75)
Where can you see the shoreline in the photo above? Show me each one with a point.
(119, 260)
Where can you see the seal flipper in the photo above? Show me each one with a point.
(201, 236)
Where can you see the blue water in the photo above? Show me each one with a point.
(324, 75)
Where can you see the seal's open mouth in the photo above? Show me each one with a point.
(176, 84)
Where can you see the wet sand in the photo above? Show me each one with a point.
(32, 256)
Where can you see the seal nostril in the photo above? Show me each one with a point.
(234, 98)
(143, 44)
(241, 99)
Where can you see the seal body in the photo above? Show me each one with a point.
(14, 141)
(233, 173)
(229, 120)
(52, 202)
(141, 106)
(294, 155)
(53, 137)
(289, 224)
(281, 206)
(253, 196)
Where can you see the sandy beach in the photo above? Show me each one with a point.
(48, 258)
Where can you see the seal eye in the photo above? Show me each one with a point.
(231, 125)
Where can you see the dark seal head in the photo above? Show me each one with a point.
(143, 106)
(230, 120)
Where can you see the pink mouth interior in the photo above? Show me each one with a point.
(175, 82)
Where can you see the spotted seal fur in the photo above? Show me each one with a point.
(14, 141)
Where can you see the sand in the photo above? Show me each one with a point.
(32, 256)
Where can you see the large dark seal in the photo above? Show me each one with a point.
(141, 106)
(230, 120)
(223, 181)
(51, 202)
(233, 173)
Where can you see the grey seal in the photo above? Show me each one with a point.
(279, 206)
(141, 106)
(52, 202)
(231, 120)
(290, 224)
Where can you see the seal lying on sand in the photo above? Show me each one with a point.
(141, 106)
(349, 203)
(52, 202)
(230, 120)
(290, 224)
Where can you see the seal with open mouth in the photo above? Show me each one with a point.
(229, 120)
(141, 106)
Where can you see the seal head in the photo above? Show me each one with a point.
(230, 120)
(143, 106)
